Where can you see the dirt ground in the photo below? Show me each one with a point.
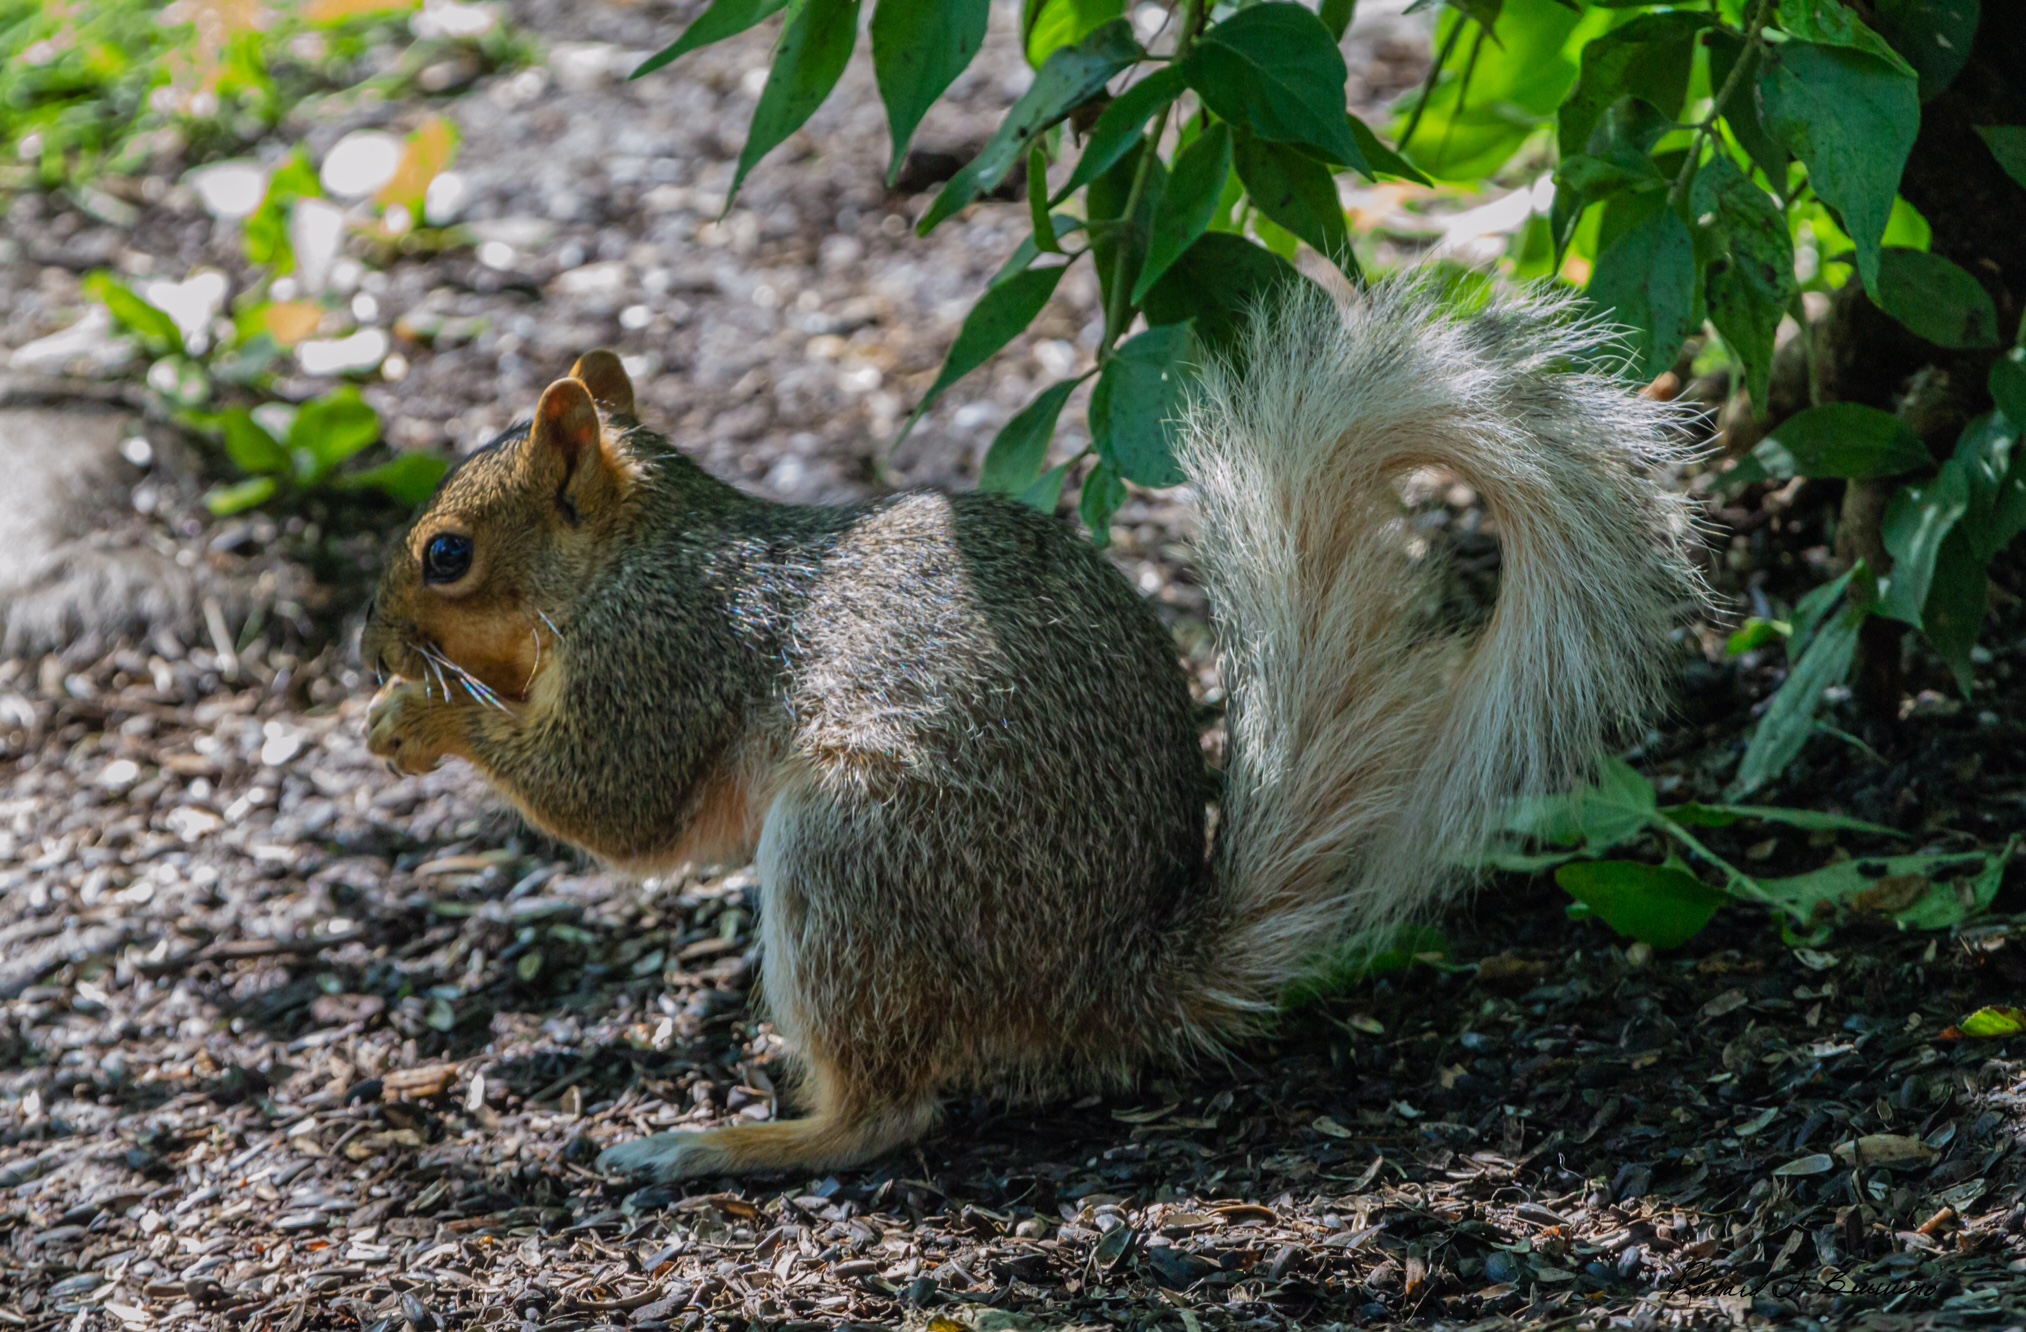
(287, 1043)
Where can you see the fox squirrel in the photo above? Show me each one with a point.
(958, 743)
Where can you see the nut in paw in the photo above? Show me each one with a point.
(394, 728)
(663, 1158)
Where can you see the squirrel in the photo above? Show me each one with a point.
(959, 746)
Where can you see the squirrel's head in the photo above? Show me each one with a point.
(470, 590)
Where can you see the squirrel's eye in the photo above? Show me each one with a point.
(446, 558)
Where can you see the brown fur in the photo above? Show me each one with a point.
(961, 745)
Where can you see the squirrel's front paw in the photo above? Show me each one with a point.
(400, 728)
(664, 1158)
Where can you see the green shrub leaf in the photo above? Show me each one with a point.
(1103, 493)
(1071, 76)
(1852, 118)
(1646, 281)
(2008, 145)
(2007, 386)
(1790, 718)
(408, 480)
(249, 446)
(1013, 463)
(328, 431)
(918, 49)
(1935, 298)
(1916, 523)
(1843, 439)
(1294, 190)
(1001, 313)
(1741, 109)
(1833, 23)
(152, 326)
(238, 498)
(1747, 291)
(1050, 25)
(1216, 282)
(815, 46)
(1648, 57)
(1654, 904)
(725, 18)
(1121, 124)
(1194, 183)
(1923, 892)
(1934, 36)
(1136, 403)
(1275, 69)
(1044, 495)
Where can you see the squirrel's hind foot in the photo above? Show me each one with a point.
(824, 1141)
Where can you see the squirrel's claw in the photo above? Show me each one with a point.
(396, 725)
(663, 1158)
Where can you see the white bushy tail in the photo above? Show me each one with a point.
(1369, 758)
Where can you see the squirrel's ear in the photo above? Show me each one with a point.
(565, 442)
(601, 372)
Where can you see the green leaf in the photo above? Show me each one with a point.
(1852, 118)
(815, 47)
(1655, 904)
(918, 49)
(2008, 144)
(1000, 315)
(1013, 463)
(249, 446)
(1814, 820)
(1183, 213)
(410, 479)
(1029, 249)
(1070, 78)
(1518, 77)
(328, 431)
(228, 500)
(1646, 280)
(1045, 237)
(1121, 124)
(1336, 16)
(1138, 400)
(266, 240)
(1275, 69)
(1051, 25)
(2007, 386)
(1916, 522)
(1935, 298)
(1381, 160)
(1741, 109)
(1945, 889)
(1934, 36)
(1103, 493)
(1843, 439)
(1617, 808)
(1993, 1022)
(154, 328)
(1833, 23)
(1790, 718)
(725, 18)
(1358, 960)
(1812, 609)
(1754, 634)
(1044, 495)
(1217, 282)
(1648, 57)
(1749, 290)
(1959, 597)
(1294, 190)
(1119, 249)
